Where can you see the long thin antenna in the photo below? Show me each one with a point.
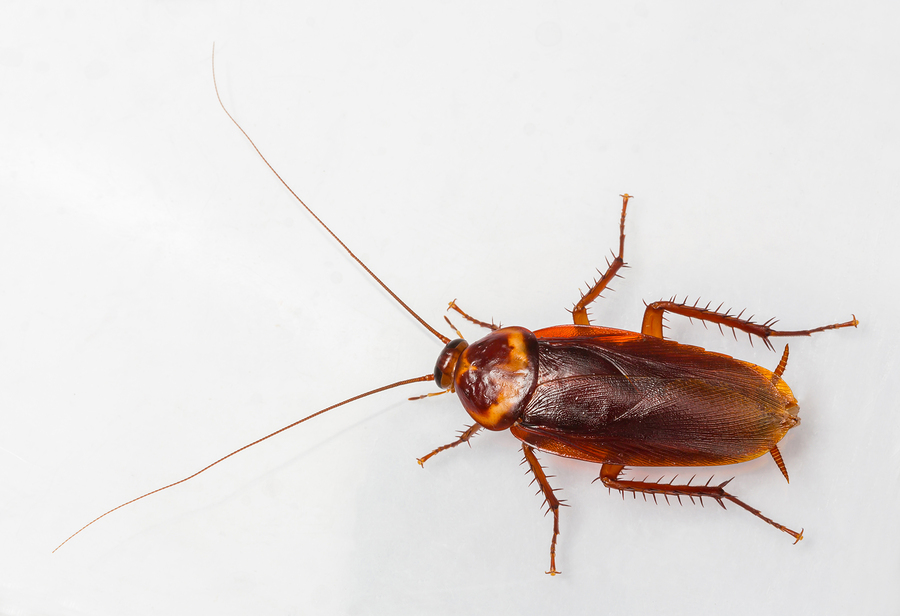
(440, 336)
(427, 377)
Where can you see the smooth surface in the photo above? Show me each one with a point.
(164, 301)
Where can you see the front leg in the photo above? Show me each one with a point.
(491, 326)
(464, 437)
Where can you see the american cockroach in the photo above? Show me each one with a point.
(613, 397)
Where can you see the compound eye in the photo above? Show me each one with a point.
(446, 362)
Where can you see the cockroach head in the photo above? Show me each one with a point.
(493, 377)
(445, 366)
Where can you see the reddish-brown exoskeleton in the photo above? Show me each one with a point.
(608, 396)
(620, 398)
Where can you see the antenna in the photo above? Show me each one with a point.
(439, 336)
(427, 377)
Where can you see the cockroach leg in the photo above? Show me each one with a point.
(653, 321)
(453, 327)
(452, 306)
(553, 503)
(579, 313)
(464, 437)
(776, 455)
(609, 475)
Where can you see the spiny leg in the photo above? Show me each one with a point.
(490, 326)
(609, 475)
(653, 321)
(464, 437)
(553, 503)
(579, 313)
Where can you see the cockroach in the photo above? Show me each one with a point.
(612, 397)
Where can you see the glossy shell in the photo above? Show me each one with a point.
(496, 376)
(613, 396)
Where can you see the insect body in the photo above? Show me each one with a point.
(607, 396)
(621, 398)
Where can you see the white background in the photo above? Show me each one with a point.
(164, 301)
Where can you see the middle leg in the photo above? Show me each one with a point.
(579, 312)
(553, 503)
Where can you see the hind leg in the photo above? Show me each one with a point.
(653, 321)
(609, 475)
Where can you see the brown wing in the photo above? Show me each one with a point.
(624, 398)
